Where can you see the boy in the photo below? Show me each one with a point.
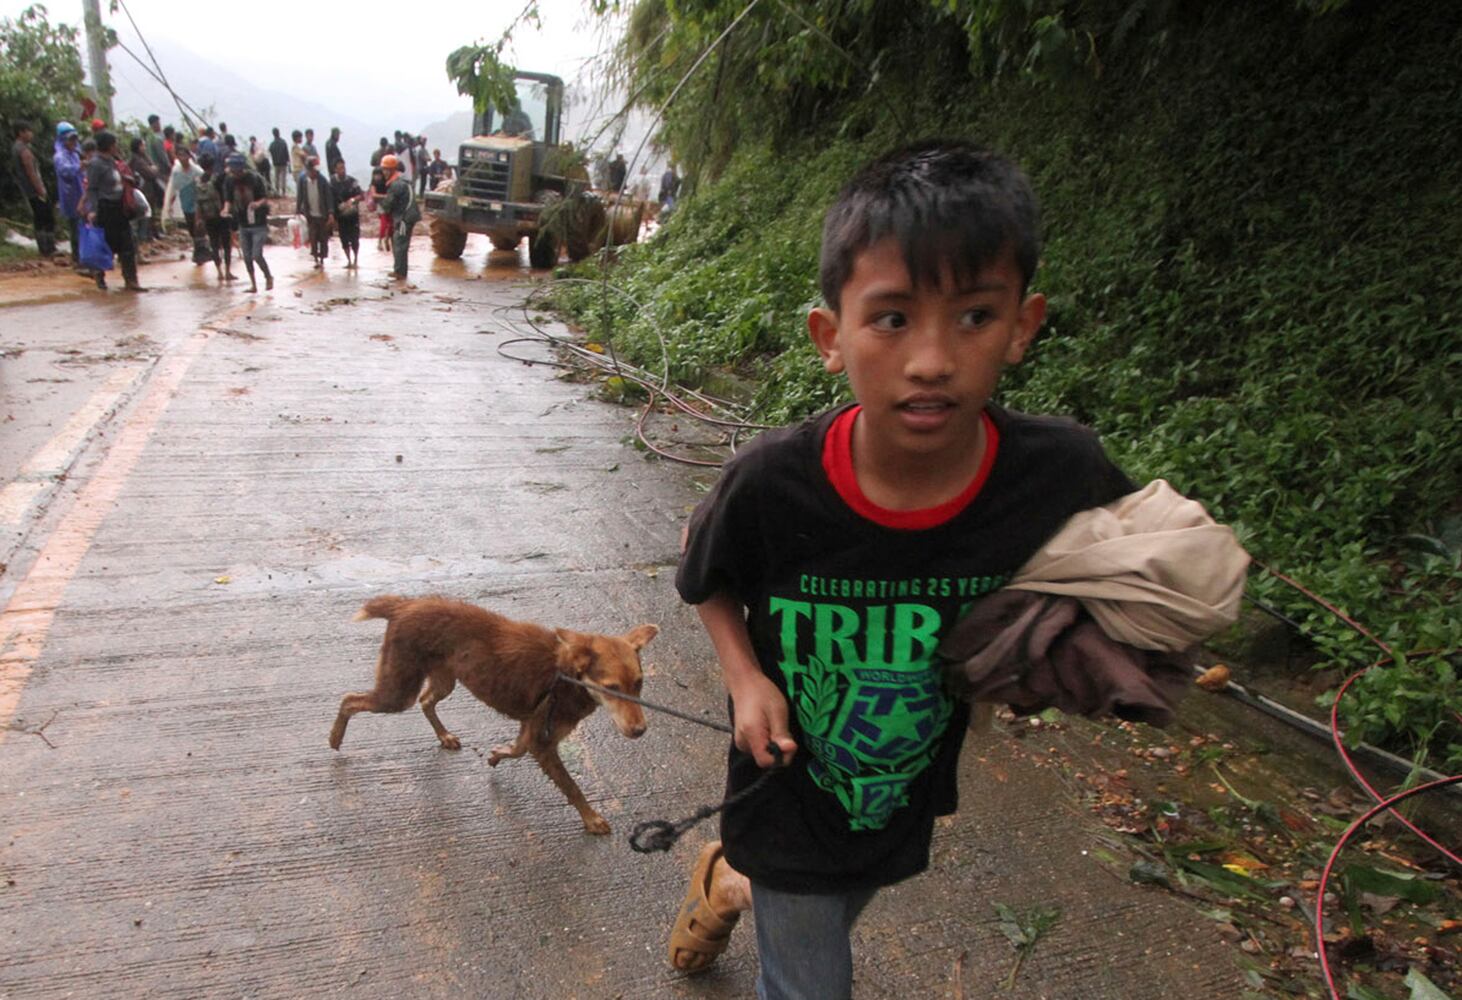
(832, 557)
(66, 159)
(347, 196)
(208, 146)
(157, 147)
(246, 199)
(332, 152)
(297, 156)
(438, 170)
(209, 206)
(26, 169)
(316, 203)
(279, 160)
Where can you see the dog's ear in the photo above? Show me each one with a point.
(575, 656)
(640, 635)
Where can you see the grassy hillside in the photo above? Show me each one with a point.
(1254, 262)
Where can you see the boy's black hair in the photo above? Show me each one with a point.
(105, 141)
(950, 204)
(23, 127)
(296, 135)
(154, 118)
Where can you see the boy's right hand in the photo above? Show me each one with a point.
(761, 718)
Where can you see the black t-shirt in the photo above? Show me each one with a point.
(240, 192)
(343, 189)
(845, 615)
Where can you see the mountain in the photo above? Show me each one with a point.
(449, 133)
(253, 108)
(247, 107)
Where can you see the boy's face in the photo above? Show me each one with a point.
(924, 361)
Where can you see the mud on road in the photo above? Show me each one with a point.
(211, 504)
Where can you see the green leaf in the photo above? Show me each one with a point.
(1358, 992)
(1224, 881)
(1150, 873)
(1362, 878)
(1423, 988)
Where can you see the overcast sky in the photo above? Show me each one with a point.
(367, 60)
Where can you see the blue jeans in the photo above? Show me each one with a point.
(251, 243)
(804, 943)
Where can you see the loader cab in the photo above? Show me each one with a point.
(537, 115)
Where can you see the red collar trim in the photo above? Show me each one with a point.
(837, 463)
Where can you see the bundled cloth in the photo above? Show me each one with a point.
(1103, 619)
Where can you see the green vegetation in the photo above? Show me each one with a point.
(40, 83)
(1253, 258)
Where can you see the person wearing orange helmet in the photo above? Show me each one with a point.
(400, 205)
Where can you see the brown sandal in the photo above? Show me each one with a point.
(700, 933)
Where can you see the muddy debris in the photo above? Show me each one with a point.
(1220, 822)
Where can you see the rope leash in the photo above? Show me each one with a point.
(653, 835)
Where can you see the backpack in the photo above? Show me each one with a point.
(411, 214)
(134, 205)
(206, 200)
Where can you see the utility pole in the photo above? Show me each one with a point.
(96, 54)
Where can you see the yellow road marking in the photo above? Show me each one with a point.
(51, 458)
(26, 621)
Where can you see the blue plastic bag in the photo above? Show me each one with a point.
(95, 253)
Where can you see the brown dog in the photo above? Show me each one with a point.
(510, 666)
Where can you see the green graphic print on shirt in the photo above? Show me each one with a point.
(857, 660)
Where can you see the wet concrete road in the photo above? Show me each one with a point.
(198, 502)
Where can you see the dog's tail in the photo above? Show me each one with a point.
(385, 606)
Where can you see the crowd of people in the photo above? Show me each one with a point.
(219, 188)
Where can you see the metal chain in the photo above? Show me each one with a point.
(660, 834)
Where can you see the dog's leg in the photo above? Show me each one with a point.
(513, 750)
(395, 689)
(361, 701)
(439, 684)
(552, 765)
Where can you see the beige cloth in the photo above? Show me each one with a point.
(1152, 568)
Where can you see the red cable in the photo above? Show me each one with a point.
(1330, 608)
(640, 435)
(1360, 778)
(1384, 804)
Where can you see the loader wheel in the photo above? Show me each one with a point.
(543, 250)
(585, 227)
(506, 242)
(577, 247)
(448, 240)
